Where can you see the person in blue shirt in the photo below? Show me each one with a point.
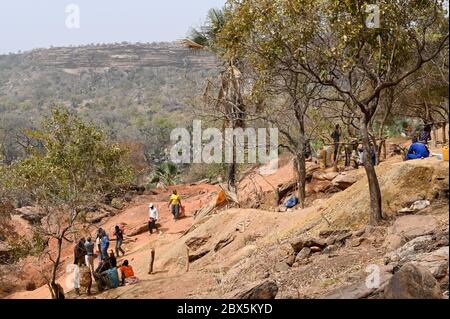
(417, 150)
(104, 245)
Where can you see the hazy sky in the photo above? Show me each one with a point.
(28, 24)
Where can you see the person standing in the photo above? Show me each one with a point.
(89, 246)
(152, 218)
(175, 204)
(336, 136)
(98, 243)
(79, 253)
(104, 245)
(119, 239)
(425, 134)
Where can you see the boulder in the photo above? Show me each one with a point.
(329, 249)
(290, 260)
(196, 242)
(315, 249)
(356, 242)
(415, 207)
(393, 242)
(198, 254)
(359, 233)
(303, 254)
(360, 289)
(321, 186)
(412, 282)
(224, 242)
(330, 175)
(265, 290)
(412, 226)
(321, 243)
(332, 232)
(324, 176)
(330, 240)
(94, 218)
(282, 266)
(297, 244)
(408, 250)
(420, 204)
(436, 261)
(343, 181)
(128, 197)
(140, 229)
(30, 214)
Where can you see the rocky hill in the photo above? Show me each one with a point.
(323, 251)
(136, 92)
(121, 56)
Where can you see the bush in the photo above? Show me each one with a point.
(117, 203)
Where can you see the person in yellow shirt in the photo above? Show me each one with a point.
(175, 204)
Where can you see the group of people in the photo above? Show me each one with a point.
(106, 275)
(353, 150)
(417, 150)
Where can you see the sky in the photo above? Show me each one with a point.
(29, 24)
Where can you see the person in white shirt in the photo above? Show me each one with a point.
(153, 217)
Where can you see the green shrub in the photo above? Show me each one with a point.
(117, 203)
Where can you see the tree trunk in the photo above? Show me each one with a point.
(232, 175)
(53, 286)
(152, 259)
(444, 134)
(301, 181)
(374, 188)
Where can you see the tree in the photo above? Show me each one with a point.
(354, 61)
(73, 172)
(226, 101)
(166, 173)
(269, 44)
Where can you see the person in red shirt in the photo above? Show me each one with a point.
(126, 272)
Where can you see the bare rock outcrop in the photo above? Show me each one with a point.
(412, 282)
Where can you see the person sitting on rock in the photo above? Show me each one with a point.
(100, 275)
(112, 259)
(417, 150)
(127, 274)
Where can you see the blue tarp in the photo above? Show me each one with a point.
(291, 202)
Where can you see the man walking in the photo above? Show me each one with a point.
(153, 217)
(119, 239)
(175, 204)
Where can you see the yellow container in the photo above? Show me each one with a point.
(445, 153)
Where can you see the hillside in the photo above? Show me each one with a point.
(136, 92)
(233, 250)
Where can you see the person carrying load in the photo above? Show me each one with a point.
(175, 204)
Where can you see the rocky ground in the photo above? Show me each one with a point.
(323, 251)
